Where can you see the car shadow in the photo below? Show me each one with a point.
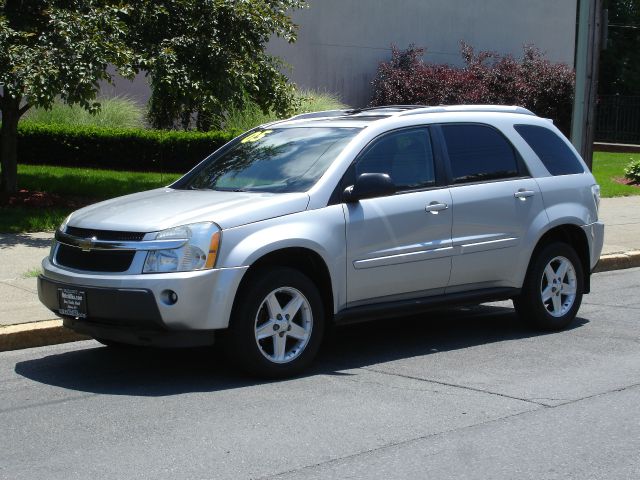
(159, 372)
(12, 239)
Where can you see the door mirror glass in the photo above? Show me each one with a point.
(369, 185)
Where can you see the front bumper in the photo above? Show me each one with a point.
(122, 315)
(204, 298)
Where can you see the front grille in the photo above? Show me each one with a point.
(112, 235)
(94, 260)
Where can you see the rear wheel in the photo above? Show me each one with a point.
(552, 292)
(277, 323)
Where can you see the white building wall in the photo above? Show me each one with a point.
(341, 42)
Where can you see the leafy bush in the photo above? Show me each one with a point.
(533, 82)
(117, 112)
(632, 171)
(313, 101)
(247, 117)
(252, 115)
(116, 148)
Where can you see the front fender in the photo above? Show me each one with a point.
(321, 231)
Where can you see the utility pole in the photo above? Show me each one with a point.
(586, 65)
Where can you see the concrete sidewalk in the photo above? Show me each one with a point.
(21, 254)
(20, 257)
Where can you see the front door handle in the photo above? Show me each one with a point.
(435, 207)
(523, 194)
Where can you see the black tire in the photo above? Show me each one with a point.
(250, 312)
(548, 315)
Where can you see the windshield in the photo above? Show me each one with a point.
(272, 160)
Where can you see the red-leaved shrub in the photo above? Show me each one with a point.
(544, 87)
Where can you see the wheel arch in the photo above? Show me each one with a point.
(574, 236)
(303, 259)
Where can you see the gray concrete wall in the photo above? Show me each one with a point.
(136, 89)
(341, 42)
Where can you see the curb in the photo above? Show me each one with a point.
(618, 261)
(51, 332)
(36, 334)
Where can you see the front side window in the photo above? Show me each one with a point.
(272, 160)
(406, 156)
(551, 149)
(478, 152)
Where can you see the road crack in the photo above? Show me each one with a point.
(464, 387)
(443, 432)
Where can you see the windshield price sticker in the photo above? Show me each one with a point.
(256, 136)
(72, 302)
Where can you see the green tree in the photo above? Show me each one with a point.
(54, 48)
(620, 62)
(203, 56)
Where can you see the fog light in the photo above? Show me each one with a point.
(169, 297)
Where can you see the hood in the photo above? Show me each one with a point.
(165, 208)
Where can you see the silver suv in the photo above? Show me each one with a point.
(335, 217)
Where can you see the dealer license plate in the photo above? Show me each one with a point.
(72, 302)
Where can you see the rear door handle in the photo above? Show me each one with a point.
(435, 207)
(523, 194)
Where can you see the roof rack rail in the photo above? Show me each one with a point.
(352, 111)
(322, 114)
(470, 108)
(384, 107)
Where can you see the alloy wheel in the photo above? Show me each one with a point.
(558, 286)
(283, 325)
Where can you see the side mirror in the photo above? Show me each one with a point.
(369, 185)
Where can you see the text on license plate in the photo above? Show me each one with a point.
(72, 302)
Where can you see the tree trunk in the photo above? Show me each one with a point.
(9, 146)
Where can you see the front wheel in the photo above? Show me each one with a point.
(277, 323)
(552, 291)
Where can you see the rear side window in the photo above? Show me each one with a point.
(478, 152)
(551, 149)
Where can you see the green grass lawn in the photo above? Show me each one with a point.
(85, 184)
(607, 166)
(22, 219)
(88, 182)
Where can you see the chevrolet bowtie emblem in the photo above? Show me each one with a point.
(87, 243)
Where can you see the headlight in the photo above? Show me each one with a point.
(198, 253)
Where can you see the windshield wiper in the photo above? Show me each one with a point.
(217, 189)
(222, 189)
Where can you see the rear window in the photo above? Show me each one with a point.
(551, 149)
(478, 152)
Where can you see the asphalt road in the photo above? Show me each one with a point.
(459, 394)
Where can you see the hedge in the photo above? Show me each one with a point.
(532, 81)
(116, 148)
